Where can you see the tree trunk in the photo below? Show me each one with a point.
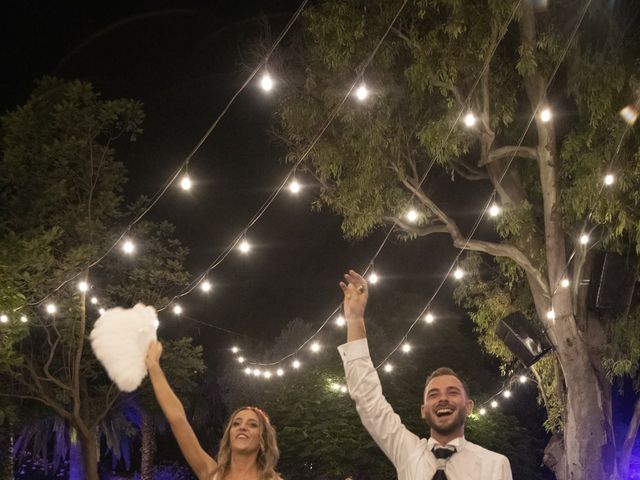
(89, 444)
(148, 447)
(629, 441)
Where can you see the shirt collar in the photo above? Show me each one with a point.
(458, 443)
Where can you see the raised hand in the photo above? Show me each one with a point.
(356, 295)
(154, 352)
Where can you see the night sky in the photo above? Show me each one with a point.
(184, 60)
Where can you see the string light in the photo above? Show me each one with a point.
(296, 364)
(280, 372)
(315, 347)
(235, 349)
(83, 286)
(458, 273)
(4, 318)
(51, 308)
(266, 82)
(494, 210)
(406, 348)
(609, 179)
(564, 283)
(362, 92)
(335, 386)
(185, 182)
(483, 411)
(294, 186)
(522, 379)
(128, 247)
(506, 394)
(373, 278)
(241, 359)
(551, 314)
(343, 389)
(177, 309)
(244, 246)
(388, 367)
(94, 300)
(429, 318)
(257, 372)
(545, 115)
(248, 371)
(101, 311)
(340, 321)
(205, 286)
(412, 215)
(24, 319)
(156, 323)
(584, 239)
(267, 374)
(469, 119)
(494, 404)
(630, 114)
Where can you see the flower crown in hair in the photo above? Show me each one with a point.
(260, 412)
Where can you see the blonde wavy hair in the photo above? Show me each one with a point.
(268, 454)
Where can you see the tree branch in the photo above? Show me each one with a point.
(508, 152)
(495, 249)
(420, 231)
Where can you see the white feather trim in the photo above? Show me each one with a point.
(120, 339)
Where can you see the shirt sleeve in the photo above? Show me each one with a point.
(376, 414)
(504, 469)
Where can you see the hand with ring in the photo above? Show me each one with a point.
(356, 295)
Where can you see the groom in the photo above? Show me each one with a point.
(446, 455)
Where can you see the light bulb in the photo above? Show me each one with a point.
(244, 246)
(458, 273)
(267, 374)
(315, 347)
(362, 92)
(412, 215)
(340, 321)
(128, 247)
(545, 115)
(296, 364)
(185, 182)
(4, 318)
(429, 318)
(205, 286)
(506, 394)
(51, 309)
(335, 386)
(564, 283)
(630, 114)
(101, 311)
(248, 371)
(94, 300)
(406, 348)
(469, 119)
(266, 82)
(240, 359)
(280, 372)
(551, 314)
(609, 179)
(373, 278)
(343, 389)
(294, 186)
(388, 367)
(494, 210)
(24, 319)
(235, 349)
(494, 404)
(156, 323)
(483, 411)
(83, 286)
(257, 372)
(177, 309)
(584, 239)
(522, 379)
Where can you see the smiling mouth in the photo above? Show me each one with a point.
(444, 412)
(243, 436)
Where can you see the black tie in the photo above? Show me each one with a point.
(442, 455)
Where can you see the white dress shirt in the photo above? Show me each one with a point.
(410, 455)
